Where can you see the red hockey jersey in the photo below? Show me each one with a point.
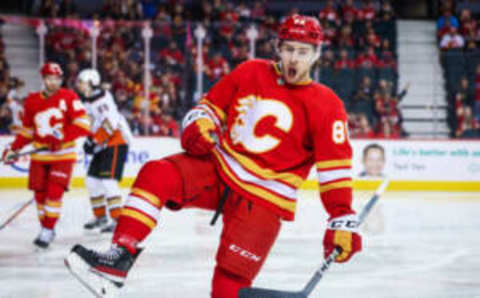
(60, 114)
(275, 132)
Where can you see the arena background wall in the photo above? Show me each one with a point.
(411, 165)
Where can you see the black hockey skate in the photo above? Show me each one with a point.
(103, 274)
(97, 222)
(44, 239)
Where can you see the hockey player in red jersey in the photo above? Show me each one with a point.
(253, 137)
(52, 120)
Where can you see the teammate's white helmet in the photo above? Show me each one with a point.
(90, 76)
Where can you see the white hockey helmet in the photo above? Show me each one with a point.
(90, 76)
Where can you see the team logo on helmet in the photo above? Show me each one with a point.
(301, 28)
(51, 68)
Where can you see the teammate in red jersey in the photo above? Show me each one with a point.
(254, 136)
(52, 120)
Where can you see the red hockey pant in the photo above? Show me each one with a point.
(181, 181)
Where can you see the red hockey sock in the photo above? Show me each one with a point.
(53, 205)
(40, 198)
(226, 284)
(157, 181)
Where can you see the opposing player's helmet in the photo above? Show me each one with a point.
(90, 76)
(51, 69)
(301, 28)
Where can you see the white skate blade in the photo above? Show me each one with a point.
(99, 286)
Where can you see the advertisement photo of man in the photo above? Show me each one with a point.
(373, 160)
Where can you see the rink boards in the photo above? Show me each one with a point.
(416, 165)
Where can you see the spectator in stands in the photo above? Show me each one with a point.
(329, 33)
(217, 67)
(241, 54)
(148, 9)
(167, 126)
(452, 40)
(372, 39)
(467, 23)
(349, 11)
(476, 104)
(447, 15)
(172, 55)
(364, 129)
(345, 39)
(327, 59)
(5, 119)
(367, 59)
(124, 104)
(464, 94)
(386, 10)
(265, 50)
(15, 104)
(447, 28)
(71, 73)
(369, 11)
(243, 11)
(387, 58)
(387, 130)
(258, 10)
(343, 61)
(329, 12)
(386, 106)
(365, 91)
(3, 92)
(467, 125)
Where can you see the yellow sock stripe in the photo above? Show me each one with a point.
(335, 185)
(139, 216)
(147, 196)
(52, 214)
(56, 204)
(97, 200)
(334, 163)
(114, 201)
(40, 211)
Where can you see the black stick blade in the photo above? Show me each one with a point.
(267, 293)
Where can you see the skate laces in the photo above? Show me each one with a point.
(111, 255)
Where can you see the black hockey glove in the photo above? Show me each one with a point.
(89, 146)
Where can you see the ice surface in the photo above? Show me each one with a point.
(416, 244)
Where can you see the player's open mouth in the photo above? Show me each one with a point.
(291, 72)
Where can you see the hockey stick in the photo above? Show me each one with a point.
(220, 206)
(16, 213)
(29, 152)
(268, 293)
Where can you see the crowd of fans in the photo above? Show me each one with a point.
(9, 99)
(458, 35)
(359, 62)
(359, 58)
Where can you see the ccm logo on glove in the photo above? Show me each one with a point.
(342, 232)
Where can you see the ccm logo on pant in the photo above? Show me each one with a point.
(244, 253)
(59, 174)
